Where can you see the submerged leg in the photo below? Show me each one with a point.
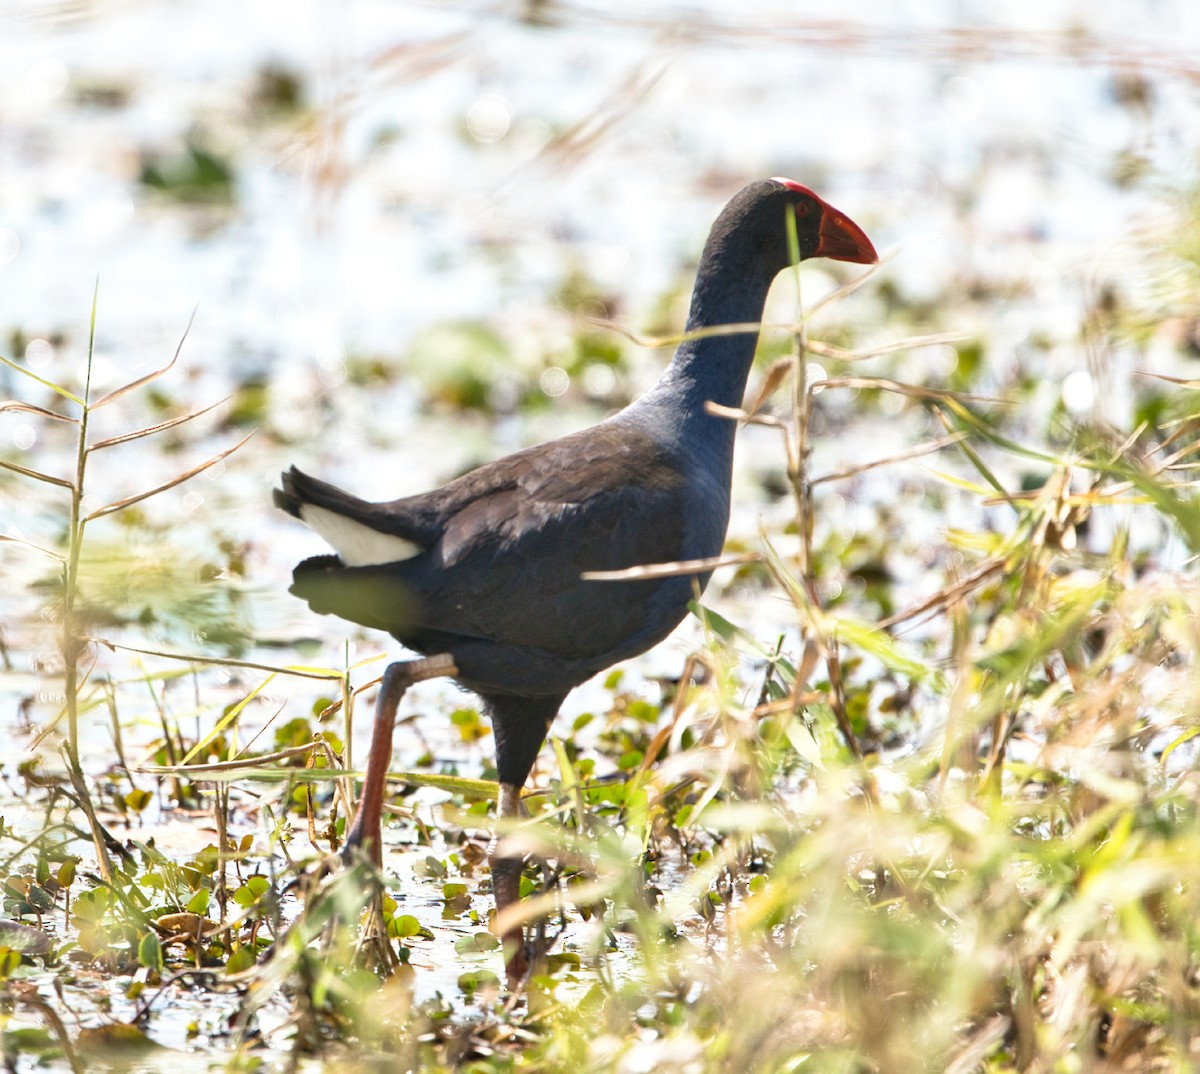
(506, 886)
(519, 725)
(364, 831)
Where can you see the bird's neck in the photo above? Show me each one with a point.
(712, 365)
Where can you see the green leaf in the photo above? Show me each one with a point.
(150, 952)
(473, 980)
(406, 925)
(892, 654)
(91, 906)
(476, 943)
(240, 959)
(137, 800)
(803, 742)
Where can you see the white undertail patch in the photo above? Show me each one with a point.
(356, 545)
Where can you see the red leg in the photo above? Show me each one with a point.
(364, 831)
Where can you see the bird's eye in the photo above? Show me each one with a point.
(802, 208)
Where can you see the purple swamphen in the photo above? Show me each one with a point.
(488, 569)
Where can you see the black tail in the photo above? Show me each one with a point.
(396, 518)
(299, 489)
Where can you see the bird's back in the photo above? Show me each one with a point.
(497, 576)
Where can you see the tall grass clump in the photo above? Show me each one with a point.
(130, 907)
(74, 617)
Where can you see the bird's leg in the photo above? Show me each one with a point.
(520, 723)
(506, 886)
(364, 831)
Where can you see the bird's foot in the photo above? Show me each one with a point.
(524, 957)
(516, 961)
(358, 847)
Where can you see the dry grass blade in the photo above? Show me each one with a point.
(199, 771)
(944, 597)
(52, 724)
(742, 327)
(734, 413)
(1073, 44)
(224, 661)
(775, 375)
(37, 475)
(251, 768)
(913, 391)
(402, 64)
(653, 342)
(738, 328)
(532, 907)
(570, 146)
(790, 704)
(130, 500)
(1126, 445)
(1184, 428)
(828, 350)
(40, 411)
(1109, 495)
(34, 547)
(904, 456)
(337, 704)
(834, 297)
(1181, 381)
(831, 350)
(27, 995)
(978, 1045)
(1177, 459)
(133, 385)
(162, 426)
(671, 570)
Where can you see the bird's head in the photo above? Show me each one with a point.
(755, 223)
(823, 231)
